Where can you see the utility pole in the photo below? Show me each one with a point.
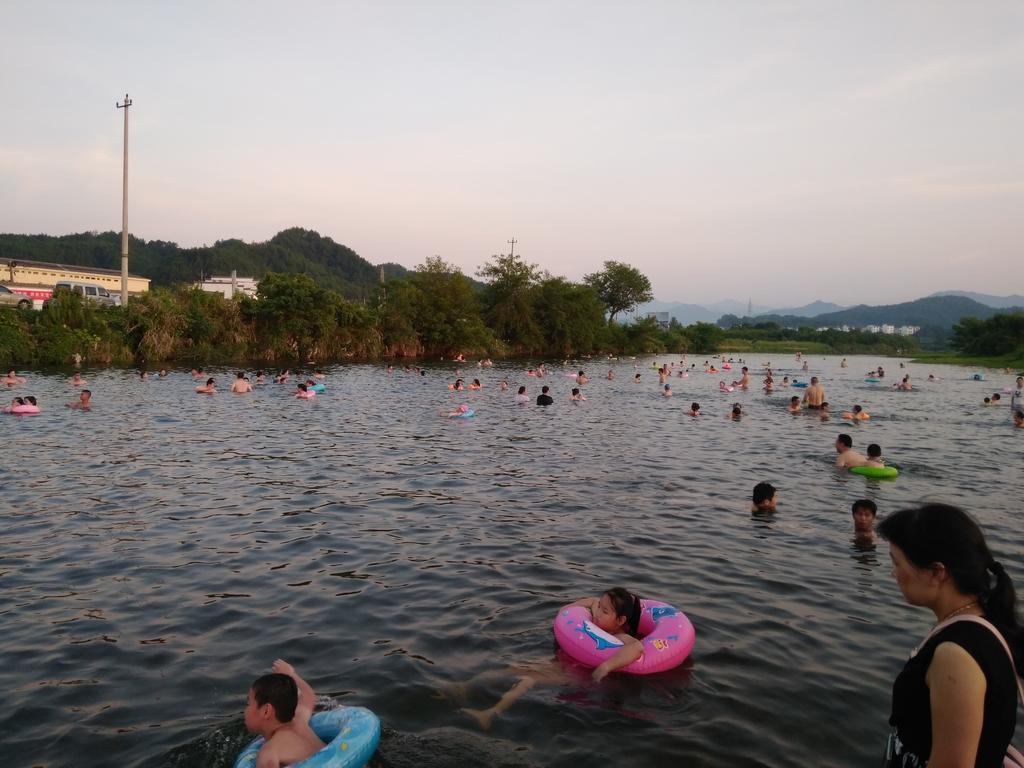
(124, 208)
(512, 242)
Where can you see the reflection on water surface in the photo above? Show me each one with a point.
(160, 551)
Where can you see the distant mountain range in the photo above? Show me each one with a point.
(999, 302)
(940, 310)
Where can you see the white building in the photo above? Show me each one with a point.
(872, 328)
(907, 330)
(229, 286)
(662, 319)
(888, 329)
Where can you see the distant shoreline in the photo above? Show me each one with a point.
(1014, 362)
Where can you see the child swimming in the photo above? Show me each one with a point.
(207, 389)
(278, 709)
(874, 456)
(617, 612)
(576, 395)
(694, 409)
(857, 414)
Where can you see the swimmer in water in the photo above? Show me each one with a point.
(744, 381)
(77, 380)
(857, 414)
(197, 373)
(875, 456)
(694, 409)
(582, 378)
(163, 373)
(462, 410)
(636, 379)
(994, 400)
(457, 386)
(611, 374)
(241, 384)
(763, 500)
(617, 612)
(824, 411)
(785, 381)
(504, 385)
(737, 412)
(143, 375)
(794, 404)
(318, 374)
(283, 377)
(476, 384)
(303, 392)
(83, 403)
(1018, 419)
(847, 457)
(864, 513)
(576, 395)
(278, 709)
(521, 397)
(207, 389)
(13, 378)
(667, 391)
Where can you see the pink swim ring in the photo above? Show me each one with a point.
(666, 633)
(21, 410)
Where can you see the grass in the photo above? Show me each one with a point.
(1015, 362)
(750, 345)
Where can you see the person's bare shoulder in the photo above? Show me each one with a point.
(267, 757)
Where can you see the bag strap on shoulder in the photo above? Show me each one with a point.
(992, 628)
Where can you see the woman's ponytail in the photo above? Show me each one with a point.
(1000, 608)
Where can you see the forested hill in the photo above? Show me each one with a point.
(331, 264)
(931, 312)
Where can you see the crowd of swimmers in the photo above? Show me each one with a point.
(940, 561)
(307, 387)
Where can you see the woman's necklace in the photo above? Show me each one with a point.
(961, 609)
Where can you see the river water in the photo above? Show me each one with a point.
(159, 552)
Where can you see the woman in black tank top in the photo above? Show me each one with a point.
(955, 702)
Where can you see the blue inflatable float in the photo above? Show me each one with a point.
(350, 733)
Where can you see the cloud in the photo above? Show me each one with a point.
(919, 187)
(939, 69)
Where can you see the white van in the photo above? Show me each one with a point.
(90, 291)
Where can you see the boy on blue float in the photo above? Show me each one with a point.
(279, 707)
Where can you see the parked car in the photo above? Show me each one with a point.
(91, 291)
(9, 298)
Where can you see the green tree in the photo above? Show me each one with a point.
(447, 315)
(570, 316)
(704, 337)
(620, 286)
(508, 301)
(295, 314)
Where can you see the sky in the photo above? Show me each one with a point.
(777, 150)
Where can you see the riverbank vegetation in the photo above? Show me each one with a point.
(514, 309)
(995, 342)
